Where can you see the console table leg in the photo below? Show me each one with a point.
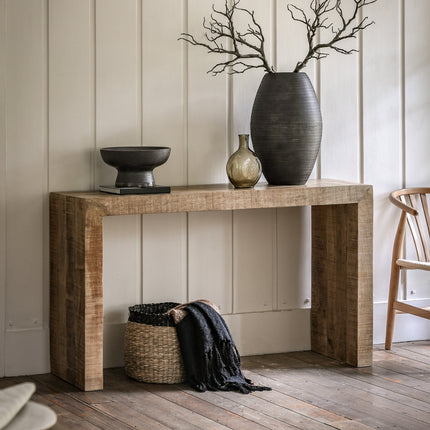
(76, 294)
(342, 299)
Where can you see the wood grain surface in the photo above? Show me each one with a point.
(342, 264)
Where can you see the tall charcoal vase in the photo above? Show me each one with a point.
(286, 127)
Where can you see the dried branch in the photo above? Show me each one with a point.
(244, 50)
(321, 11)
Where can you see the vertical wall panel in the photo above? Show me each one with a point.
(207, 106)
(258, 332)
(417, 92)
(121, 268)
(294, 258)
(291, 40)
(71, 95)
(121, 282)
(2, 182)
(164, 246)
(417, 105)
(118, 79)
(254, 274)
(210, 257)
(164, 258)
(340, 147)
(25, 156)
(162, 103)
(247, 277)
(382, 130)
(210, 240)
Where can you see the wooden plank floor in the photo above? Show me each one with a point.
(309, 392)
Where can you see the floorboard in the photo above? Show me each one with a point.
(309, 392)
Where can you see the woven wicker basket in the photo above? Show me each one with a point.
(151, 350)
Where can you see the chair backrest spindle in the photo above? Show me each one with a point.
(407, 200)
(419, 225)
(426, 211)
(418, 220)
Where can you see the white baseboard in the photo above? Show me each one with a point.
(406, 327)
(253, 333)
(271, 332)
(27, 351)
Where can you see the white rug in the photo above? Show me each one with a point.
(17, 412)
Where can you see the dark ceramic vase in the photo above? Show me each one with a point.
(286, 127)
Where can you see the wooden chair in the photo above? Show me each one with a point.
(415, 212)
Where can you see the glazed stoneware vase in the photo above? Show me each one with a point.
(243, 167)
(286, 127)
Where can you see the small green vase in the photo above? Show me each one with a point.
(243, 166)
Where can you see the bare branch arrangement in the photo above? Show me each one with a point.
(322, 10)
(222, 38)
(245, 49)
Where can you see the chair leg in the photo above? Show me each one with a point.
(392, 297)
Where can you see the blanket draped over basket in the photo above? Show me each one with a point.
(211, 359)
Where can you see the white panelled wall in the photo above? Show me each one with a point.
(79, 75)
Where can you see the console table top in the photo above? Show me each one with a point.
(212, 197)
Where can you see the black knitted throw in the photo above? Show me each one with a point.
(210, 357)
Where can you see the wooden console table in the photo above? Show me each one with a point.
(342, 302)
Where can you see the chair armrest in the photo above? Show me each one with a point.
(394, 198)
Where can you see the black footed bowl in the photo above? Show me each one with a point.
(135, 164)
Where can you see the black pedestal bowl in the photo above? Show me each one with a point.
(135, 164)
